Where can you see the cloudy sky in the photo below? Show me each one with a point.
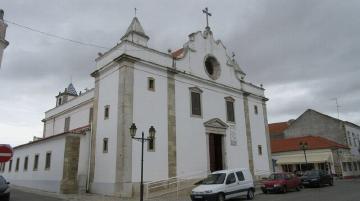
(305, 53)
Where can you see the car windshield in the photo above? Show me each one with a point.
(312, 173)
(214, 179)
(276, 176)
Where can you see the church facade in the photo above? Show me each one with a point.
(206, 115)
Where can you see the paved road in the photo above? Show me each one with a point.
(18, 195)
(343, 190)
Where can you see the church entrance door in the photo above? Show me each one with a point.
(216, 152)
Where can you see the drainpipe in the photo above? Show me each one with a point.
(87, 187)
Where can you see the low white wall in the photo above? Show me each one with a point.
(47, 180)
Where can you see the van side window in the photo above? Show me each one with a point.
(240, 176)
(231, 178)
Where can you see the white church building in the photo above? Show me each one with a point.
(206, 115)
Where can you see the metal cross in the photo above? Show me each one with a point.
(135, 11)
(206, 11)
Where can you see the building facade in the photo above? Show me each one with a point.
(3, 43)
(206, 116)
(345, 161)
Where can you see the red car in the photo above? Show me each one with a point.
(281, 182)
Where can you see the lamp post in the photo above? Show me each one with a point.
(304, 147)
(142, 139)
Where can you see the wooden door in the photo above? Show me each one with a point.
(215, 152)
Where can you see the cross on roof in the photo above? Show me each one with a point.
(135, 11)
(206, 11)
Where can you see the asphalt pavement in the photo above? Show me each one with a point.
(343, 190)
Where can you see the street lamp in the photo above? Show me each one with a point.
(304, 147)
(152, 132)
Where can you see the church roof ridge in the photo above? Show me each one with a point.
(135, 27)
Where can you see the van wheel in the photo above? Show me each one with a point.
(250, 194)
(221, 197)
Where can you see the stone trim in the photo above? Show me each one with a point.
(248, 133)
(267, 134)
(93, 131)
(123, 175)
(172, 165)
(69, 183)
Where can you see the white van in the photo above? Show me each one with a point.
(225, 184)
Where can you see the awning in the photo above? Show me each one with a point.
(297, 159)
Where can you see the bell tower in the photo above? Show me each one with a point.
(3, 42)
(68, 94)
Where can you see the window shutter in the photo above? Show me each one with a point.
(230, 111)
(195, 103)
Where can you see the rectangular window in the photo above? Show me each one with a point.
(36, 162)
(105, 145)
(256, 109)
(355, 166)
(106, 111)
(151, 84)
(67, 124)
(230, 110)
(10, 165)
(353, 135)
(91, 114)
(151, 145)
(195, 103)
(344, 166)
(17, 164)
(349, 166)
(349, 139)
(26, 163)
(48, 161)
(260, 149)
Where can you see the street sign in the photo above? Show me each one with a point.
(6, 153)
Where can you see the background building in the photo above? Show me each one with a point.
(345, 161)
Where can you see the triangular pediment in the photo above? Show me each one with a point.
(216, 123)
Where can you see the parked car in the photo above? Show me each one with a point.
(281, 182)
(317, 178)
(223, 185)
(4, 189)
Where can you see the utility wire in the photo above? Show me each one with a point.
(56, 36)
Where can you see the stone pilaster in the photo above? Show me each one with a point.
(123, 176)
(171, 124)
(93, 129)
(69, 182)
(267, 133)
(248, 133)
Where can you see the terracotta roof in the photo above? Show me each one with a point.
(177, 53)
(277, 128)
(314, 142)
(79, 130)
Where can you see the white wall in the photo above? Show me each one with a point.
(192, 147)
(105, 163)
(78, 109)
(355, 146)
(258, 133)
(150, 109)
(48, 180)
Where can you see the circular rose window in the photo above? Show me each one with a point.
(212, 67)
